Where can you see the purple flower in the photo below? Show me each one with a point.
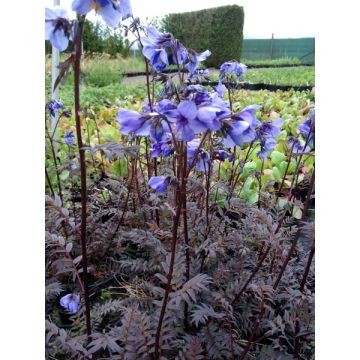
(134, 122)
(269, 129)
(209, 117)
(155, 123)
(266, 133)
(231, 158)
(211, 109)
(159, 183)
(220, 89)
(199, 94)
(154, 48)
(203, 162)
(192, 147)
(57, 28)
(296, 146)
(161, 148)
(221, 155)
(53, 106)
(199, 74)
(180, 52)
(195, 59)
(203, 158)
(241, 128)
(232, 67)
(69, 138)
(266, 145)
(158, 58)
(112, 11)
(307, 129)
(184, 124)
(156, 38)
(71, 302)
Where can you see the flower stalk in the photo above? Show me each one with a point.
(78, 49)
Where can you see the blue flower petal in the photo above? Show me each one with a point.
(159, 183)
(59, 40)
(125, 9)
(187, 109)
(82, 7)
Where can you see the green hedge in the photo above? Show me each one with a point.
(218, 29)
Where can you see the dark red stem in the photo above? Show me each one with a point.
(82, 171)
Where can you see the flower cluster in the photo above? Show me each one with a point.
(194, 112)
(232, 68)
(157, 45)
(186, 113)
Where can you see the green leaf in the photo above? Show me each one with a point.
(276, 173)
(292, 166)
(119, 167)
(64, 175)
(253, 198)
(282, 167)
(277, 157)
(297, 212)
(248, 168)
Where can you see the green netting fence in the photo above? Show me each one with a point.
(264, 49)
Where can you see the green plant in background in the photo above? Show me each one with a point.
(219, 29)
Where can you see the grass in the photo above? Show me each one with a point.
(102, 79)
(281, 61)
(293, 76)
(296, 76)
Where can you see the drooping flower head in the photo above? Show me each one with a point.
(162, 148)
(134, 122)
(241, 128)
(195, 59)
(53, 106)
(159, 183)
(266, 133)
(296, 146)
(71, 302)
(154, 123)
(111, 11)
(230, 68)
(180, 52)
(221, 155)
(210, 108)
(199, 75)
(307, 129)
(202, 156)
(157, 38)
(154, 48)
(57, 27)
(69, 138)
(220, 89)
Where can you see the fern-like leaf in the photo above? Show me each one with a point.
(202, 313)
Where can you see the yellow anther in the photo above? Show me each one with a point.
(95, 6)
